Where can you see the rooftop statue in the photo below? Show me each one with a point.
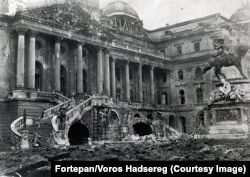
(225, 57)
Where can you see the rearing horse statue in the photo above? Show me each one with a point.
(226, 60)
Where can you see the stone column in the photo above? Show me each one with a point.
(99, 72)
(127, 86)
(79, 70)
(107, 73)
(152, 85)
(32, 61)
(57, 66)
(140, 83)
(20, 59)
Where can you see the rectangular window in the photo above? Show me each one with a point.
(197, 47)
(179, 50)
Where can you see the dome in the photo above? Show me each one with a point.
(119, 8)
(241, 15)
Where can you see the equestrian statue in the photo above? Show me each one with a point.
(225, 57)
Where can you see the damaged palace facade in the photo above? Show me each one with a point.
(78, 49)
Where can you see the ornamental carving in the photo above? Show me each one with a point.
(228, 115)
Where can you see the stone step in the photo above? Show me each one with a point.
(219, 129)
(221, 136)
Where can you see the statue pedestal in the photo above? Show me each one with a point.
(25, 140)
(226, 121)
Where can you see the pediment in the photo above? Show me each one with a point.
(66, 16)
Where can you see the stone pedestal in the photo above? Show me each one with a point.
(25, 140)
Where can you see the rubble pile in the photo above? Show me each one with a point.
(146, 148)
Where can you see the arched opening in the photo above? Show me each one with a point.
(78, 134)
(63, 80)
(171, 121)
(180, 75)
(182, 96)
(198, 72)
(183, 125)
(137, 115)
(38, 76)
(199, 93)
(142, 129)
(150, 116)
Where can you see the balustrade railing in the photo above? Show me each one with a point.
(138, 49)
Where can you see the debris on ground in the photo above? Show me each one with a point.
(145, 148)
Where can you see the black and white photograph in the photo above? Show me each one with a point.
(111, 81)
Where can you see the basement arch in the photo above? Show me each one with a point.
(78, 134)
(142, 129)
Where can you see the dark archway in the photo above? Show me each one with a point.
(78, 134)
(137, 115)
(172, 121)
(150, 116)
(142, 129)
(183, 124)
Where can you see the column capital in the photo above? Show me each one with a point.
(21, 30)
(114, 59)
(99, 49)
(79, 43)
(58, 39)
(106, 50)
(152, 67)
(33, 33)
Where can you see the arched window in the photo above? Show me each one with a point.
(182, 96)
(63, 80)
(180, 75)
(198, 72)
(199, 93)
(118, 94)
(38, 76)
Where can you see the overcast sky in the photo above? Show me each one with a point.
(157, 13)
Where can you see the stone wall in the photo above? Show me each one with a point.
(11, 110)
